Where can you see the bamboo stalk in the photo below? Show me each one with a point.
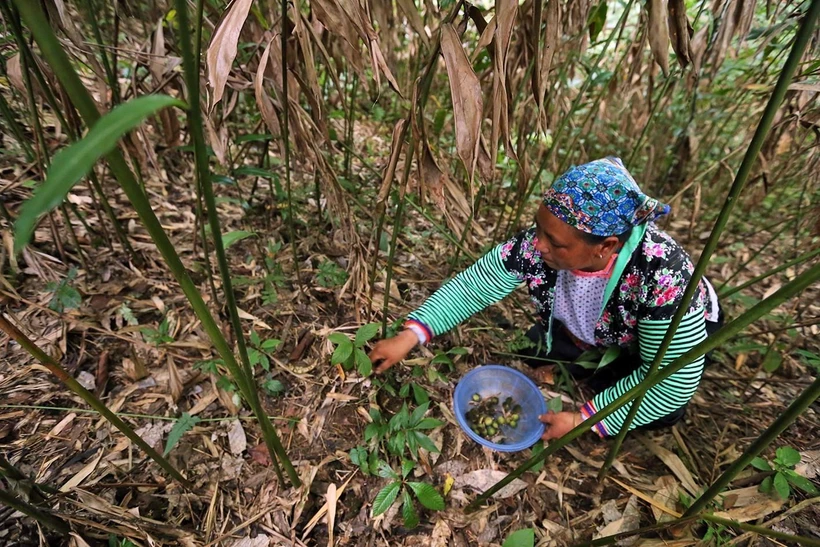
(57, 58)
(47, 520)
(72, 132)
(15, 129)
(788, 291)
(802, 258)
(801, 41)
(286, 140)
(784, 420)
(72, 384)
(565, 119)
(191, 61)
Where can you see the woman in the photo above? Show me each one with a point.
(600, 274)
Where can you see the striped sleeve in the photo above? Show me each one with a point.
(669, 395)
(484, 283)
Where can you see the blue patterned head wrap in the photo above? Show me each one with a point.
(601, 198)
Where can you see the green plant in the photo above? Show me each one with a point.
(64, 295)
(259, 349)
(114, 541)
(349, 353)
(784, 475)
(160, 335)
(330, 274)
(184, 423)
(426, 494)
(520, 538)
(403, 431)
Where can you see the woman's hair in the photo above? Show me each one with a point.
(592, 239)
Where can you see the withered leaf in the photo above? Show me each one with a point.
(659, 33)
(468, 104)
(414, 18)
(222, 49)
(680, 31)
(14, 69)
(263, 100)
(552, 37)
(157, 62)
(399, 131)
(506, 11)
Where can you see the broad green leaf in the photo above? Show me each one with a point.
(425, 442)
(270, 344)
(406, 467)
(370, 431)
(74, 162)
(338, 338)
(408, 511)
(232, 237)
(255, 340)
(418, 414)
(420, 394)
(385, 498)
(555, 405)
(363, 364)
(342, 353)
(788, 456)
(413, 445)
(772, 361)
(458, 350)
(429, 423)
(185, 423)
(357, 455)
(761, 465)
(365, 333)
(800, 482)
(373, 463)
(386, 472)
(273, 387)
(766, 485)
(404, 391)
(781, 486)
(520, 538)
(222, 179)
(427, 495)
(611, 354)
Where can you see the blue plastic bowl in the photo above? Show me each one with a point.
(502, 382)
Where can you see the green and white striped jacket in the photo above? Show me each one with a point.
(643, 293)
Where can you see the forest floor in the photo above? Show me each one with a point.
(108, 489)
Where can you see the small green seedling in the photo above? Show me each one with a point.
(259, 350)
(349, 353)
(64, 295)
(160, 335)
(784, 477)
(403, 431)
(330, 275)
(425, 493)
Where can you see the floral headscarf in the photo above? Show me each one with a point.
(601, 198)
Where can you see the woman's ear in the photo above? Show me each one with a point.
(609, 244)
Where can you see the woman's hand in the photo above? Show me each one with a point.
(392, 350)
(559, 423)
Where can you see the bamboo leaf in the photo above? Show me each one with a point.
(385, 498)
(185, 423)
(222, 49)
(468, 104)
(427, 495)
(232, 237)
(659, 33)
(74, 162)
(680, 31)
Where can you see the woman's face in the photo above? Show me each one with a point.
(562, 247)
